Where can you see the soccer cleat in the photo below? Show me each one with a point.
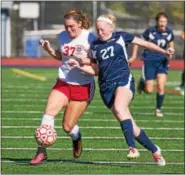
(133, 153)
(158, 157)
(158, 113)
(77, 148)
(40, 157)
(141, 85)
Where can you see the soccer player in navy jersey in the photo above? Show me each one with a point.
(156, 64)
(109, 60)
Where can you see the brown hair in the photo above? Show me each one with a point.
(78, 16)
(161, 14)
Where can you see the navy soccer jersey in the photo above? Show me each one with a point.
(111, 56)
(162, 39)
(112, 59)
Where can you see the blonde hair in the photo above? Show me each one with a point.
(111, 17)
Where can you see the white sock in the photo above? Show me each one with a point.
(47, 120)
(75, 133)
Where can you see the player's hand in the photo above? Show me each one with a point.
(170, 52)
(73, 63)
(45, 44)
(79, 58)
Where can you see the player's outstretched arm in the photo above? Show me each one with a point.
(151, 46)
(46, 46)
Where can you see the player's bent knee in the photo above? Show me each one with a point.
(67, 128)
(121, 112)
(118, 110)
(160, 90)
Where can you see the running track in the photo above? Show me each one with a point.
(52, 63)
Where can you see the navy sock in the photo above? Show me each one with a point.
(127, 129)
(159, 99)
(146, 142)
(142, 83)
(182, 80)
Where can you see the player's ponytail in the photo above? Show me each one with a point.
(85, 22)
(79, 17)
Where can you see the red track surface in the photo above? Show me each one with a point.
(50, 62)
(30, 62)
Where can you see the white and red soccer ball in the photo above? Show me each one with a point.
(45, 135)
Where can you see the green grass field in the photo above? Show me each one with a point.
(105, 150)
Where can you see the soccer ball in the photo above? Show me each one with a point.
(45, 135)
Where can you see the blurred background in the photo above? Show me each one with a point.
(24, 23)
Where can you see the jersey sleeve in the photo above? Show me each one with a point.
(63, 39)
(145, 35)
(170, 36)
(92, 37)
(128, 38)
(91, 53)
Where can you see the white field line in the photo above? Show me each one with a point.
(95, 100)
(92, 127)
(99, 107)
(103, 162)
(93, 149)
(31, 93)
(172, 83)
(43, 86)
(36, 86)
(88, 113)
(32, 100)
(92, 138)
(97, 120)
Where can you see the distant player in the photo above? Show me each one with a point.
(156, 64)
(74, 89)
(116, 83)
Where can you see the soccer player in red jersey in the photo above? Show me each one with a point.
(74, 89)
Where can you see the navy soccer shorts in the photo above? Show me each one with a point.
(107, 89)
(153, 67)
